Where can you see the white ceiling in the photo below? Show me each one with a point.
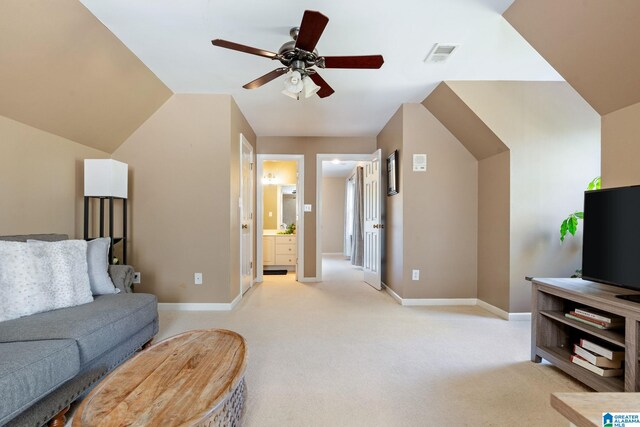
(173, 38)
(338, 170)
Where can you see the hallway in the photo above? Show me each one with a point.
(338, 267)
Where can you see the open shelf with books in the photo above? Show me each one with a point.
(584, 330)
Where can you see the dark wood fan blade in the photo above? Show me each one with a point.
(311, 28)
(369, 61)
(325, 89)
(242, 48)
(265, 79)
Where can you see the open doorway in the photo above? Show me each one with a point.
(347, 191)
(280, 225)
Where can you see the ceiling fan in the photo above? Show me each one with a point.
(299, 56)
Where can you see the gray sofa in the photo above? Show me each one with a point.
(48, 360)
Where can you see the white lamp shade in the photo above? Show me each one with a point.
(105, 178)
(310, 88)
(293, 82)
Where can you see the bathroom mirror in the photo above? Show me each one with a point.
(288, 204)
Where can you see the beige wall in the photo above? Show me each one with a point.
(333, 198)
(310, 147)
(427, 225)
(389, 139)
(494, 230)
(591, 43)
(493, 190)
(41, 181)
(63, 71)
(554, 138)
(621, 147)
(184, 164)
(440, 234)
(270, 205)
(463, 123)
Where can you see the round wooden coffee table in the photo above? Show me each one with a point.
(192, 379)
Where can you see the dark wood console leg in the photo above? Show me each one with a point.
(59, 420)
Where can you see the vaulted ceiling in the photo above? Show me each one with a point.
(64, 72)
(173, 39)
(593, 44)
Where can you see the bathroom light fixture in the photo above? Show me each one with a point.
(269, 179)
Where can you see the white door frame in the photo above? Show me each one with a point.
(319, 159)
(245, 143)
(373, 274)
(299, 159)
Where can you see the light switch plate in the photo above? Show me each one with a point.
(137, 277)
(307, 208)
(415, 275)
(197, 278)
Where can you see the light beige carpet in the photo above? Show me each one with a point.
(340, 353)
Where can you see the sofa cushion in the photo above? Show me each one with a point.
(30, 370)
(97, 326)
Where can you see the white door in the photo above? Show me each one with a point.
(246, 215)
(372, 221)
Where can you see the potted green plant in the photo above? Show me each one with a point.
(570, 224)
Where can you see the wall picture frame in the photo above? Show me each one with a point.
(393, 174)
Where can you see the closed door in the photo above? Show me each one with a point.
(246, 214)
(372, 221)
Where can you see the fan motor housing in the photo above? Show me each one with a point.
(289, 54)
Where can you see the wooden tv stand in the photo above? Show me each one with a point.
(553, 335)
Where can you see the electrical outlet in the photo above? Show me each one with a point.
(197, 278)
(270, 214)
(137, 276)
(415, 275)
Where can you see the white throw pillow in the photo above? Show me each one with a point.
(69, 278)
(97, 259)
(23, 278)
(42, 276)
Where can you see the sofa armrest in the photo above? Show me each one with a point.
(122, 277)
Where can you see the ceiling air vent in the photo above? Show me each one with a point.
(441, 52)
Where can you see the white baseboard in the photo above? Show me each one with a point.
(520, 316)
(438, 301)
(503, 314)
(308, 280)
(408, 302)
(200, 306)
(237, 299)
(493, 309)
(392, 293)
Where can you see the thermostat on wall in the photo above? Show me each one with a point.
(419, 162)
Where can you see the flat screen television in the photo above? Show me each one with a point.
(611, 237)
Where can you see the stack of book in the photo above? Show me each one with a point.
(599, 360)
(596, 318)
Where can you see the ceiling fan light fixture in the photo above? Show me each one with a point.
(295, 96)
(310, 88)
(293, 82)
